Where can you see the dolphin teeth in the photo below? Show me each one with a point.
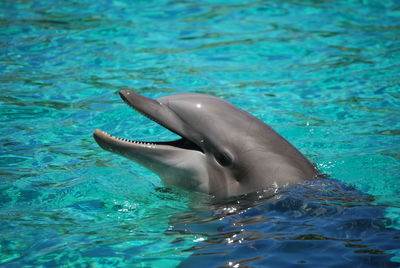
(141, 143)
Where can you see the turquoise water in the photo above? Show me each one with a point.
(324, 74)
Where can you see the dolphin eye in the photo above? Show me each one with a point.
(223, 159)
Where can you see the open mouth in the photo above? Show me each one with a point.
(156, 112)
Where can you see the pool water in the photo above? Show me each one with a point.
(324, 74)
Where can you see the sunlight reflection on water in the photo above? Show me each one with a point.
(324, 74)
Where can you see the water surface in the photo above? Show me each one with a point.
(324, 74)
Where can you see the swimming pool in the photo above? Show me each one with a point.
(324, 74)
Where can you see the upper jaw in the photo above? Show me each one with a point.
(155, 111)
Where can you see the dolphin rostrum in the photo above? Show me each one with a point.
(223, 151)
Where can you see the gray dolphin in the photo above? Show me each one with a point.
(224, 151)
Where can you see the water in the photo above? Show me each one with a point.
(324, 74)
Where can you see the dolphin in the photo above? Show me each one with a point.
(223, 150)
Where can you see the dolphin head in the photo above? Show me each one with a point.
(223, 150)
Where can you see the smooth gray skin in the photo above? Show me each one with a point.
(224, 151)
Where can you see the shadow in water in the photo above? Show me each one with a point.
(322, 222)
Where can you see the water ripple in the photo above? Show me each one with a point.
(322, 73)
